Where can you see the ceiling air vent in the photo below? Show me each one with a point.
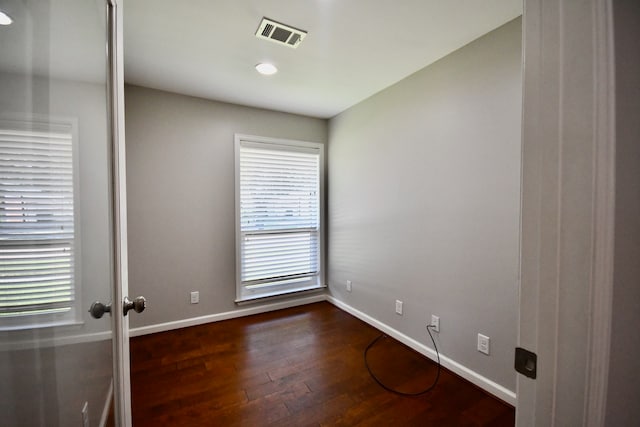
(280, 33)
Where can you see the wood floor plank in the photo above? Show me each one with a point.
(301, 366)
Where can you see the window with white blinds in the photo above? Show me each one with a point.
(279, 202)
(37, 232)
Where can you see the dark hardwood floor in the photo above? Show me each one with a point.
(301, 366)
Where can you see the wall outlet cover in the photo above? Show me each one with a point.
(435, 322)
(398, 306)
(195, 297)
(483, 344)
(348, 285)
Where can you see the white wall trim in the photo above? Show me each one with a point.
(569, 82)
(194, 321)
(473, 377)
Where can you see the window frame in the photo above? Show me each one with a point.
(72, 317)
(314, 282)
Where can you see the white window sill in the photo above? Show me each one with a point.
(304, 290)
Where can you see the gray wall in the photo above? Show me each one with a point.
(624, 368)
(180, 195)
(424, 187)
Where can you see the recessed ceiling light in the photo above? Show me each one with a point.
(266, 68)
(5, 19)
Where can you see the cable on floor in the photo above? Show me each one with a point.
(401, 393)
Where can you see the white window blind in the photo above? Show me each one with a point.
(36, 220)
(279, 186)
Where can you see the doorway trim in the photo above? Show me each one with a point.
(568, 168)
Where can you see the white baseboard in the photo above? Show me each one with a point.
(484, 383)
(241, 312)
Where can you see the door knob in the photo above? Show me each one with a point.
(98, 309)
(138, 304)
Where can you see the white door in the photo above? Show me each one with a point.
(62, 218)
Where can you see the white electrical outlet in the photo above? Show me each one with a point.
(398, 306)
(435, 322)
(195, 297)
(348, 285)
(85, 414)
(483, 344)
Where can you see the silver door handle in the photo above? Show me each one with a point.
(138, 304)
(98, 309)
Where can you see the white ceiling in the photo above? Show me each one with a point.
(354, 48)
